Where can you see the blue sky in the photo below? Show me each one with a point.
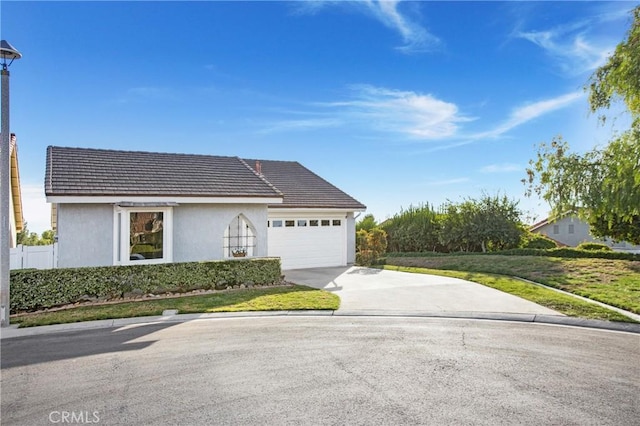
(395, 102)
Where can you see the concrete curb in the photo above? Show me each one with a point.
(14, 331)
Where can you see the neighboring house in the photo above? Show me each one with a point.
(16, 221)
(120, 207)
(571, 231)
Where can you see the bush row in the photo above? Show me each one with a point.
(36, 289)
(556, 252)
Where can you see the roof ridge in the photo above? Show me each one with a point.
(124, 151)
(261, 176)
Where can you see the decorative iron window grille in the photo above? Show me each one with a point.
(239, 238)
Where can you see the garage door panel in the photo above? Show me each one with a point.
(308, 247)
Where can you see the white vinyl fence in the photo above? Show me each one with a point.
(38, 257)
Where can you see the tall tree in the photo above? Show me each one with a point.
(368, 222)
(491, 223)
(602, 185)
(619, 78)
(28, 238)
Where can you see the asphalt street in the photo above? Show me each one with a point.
(324, 370)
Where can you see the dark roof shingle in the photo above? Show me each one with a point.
(100, 172)
(303, 188)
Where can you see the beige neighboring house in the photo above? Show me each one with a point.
(15, 197)
(571, 231)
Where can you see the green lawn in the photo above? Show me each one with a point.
(615, 282)
(295, 297)
(562, 303)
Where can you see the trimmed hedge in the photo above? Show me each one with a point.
(593, 246)
(537, 241)
(36, 289)
(557, 252)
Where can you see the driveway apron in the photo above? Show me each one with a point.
(366, 289)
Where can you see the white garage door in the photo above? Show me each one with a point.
(308, 242)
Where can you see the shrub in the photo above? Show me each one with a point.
(593, 247)
(370, 245)
(36, 289)
(537, 241)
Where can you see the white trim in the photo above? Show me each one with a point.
(177, 199)
(312, 210)
(118, 237)
(306, 214)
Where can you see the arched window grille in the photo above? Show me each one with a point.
(239, 238)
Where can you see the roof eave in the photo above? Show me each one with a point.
(185, 199)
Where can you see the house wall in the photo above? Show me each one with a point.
(198, 229)
(85, 235)
(351, 238)
(580, 231)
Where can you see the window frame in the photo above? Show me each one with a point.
(122, 229)
(247, 233)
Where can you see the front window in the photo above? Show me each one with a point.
(146, 235)
(142, 235)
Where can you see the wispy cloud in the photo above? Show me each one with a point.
(446, 182)
(576, 54)
(583, 45)
(300, 125)
(407, 116)
(412, 114)
(529, 112)
(501, 168)
(415, 37)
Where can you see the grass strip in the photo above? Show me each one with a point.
(562, 303)
(614, 282)
(296, 297)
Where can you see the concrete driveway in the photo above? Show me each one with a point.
(364, 289)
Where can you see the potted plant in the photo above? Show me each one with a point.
(239, 252)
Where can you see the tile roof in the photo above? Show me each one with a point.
(303, 188)
(101, 172)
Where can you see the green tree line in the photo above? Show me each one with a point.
(28, 238)
(489, 223)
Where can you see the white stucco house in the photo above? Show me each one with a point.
(123, 207)
(570, 230)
